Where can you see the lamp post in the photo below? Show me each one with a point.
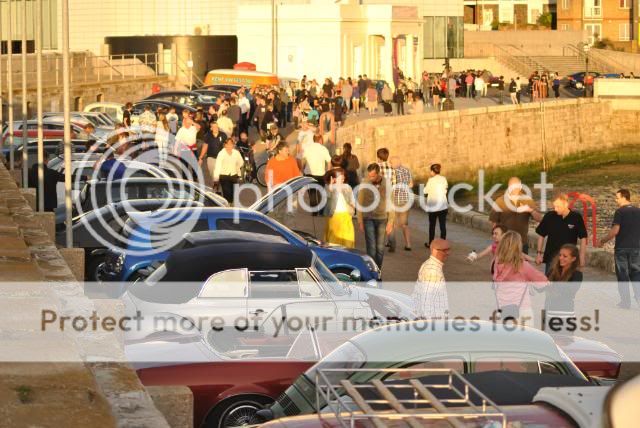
(586, 48)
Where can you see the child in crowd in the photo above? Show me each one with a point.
(496, 233)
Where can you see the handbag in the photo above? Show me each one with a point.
(511, 311)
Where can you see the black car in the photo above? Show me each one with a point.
(226, 88)
(94, 194)
(96, 231)
(138, 108)
(187, 98)
(214, 94)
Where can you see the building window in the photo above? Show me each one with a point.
(564, 27)
(566, 4)
(625, 4)
(624, 31)
(443, 37)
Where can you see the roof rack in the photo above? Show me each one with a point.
(412, 401)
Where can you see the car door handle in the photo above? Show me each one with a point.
(257, 312)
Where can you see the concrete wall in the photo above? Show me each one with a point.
(494, 137)
(480, 43)
(625, 61)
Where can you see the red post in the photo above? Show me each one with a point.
(586, 202)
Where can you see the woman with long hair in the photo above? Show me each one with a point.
(353, 165)
(512, 276)
(339, 210)
(566, 280)
(162, 138)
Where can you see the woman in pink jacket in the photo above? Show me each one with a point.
(512, 276)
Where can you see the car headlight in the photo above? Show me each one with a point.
(371, 264)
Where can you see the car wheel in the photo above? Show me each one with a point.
(91, 270)
(236, 412)
(260, 175)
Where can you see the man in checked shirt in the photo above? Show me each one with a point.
(430, 293)
(402, 201)
(389, 174)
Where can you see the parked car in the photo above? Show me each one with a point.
(350, 262)
(553, 405)
(472, 347)
(87, 168)
(257, 365)
(576, 80)
(52, 146)
(97, 119)
(94, 193)
(51, 129)
(214, 94)
(222, 87)
(188, 98)
(103, 228)
(239, 279)
(113, 110)
(138, 108)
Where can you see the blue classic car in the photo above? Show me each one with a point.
(121, 265)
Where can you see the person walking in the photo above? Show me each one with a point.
(626, 231)
(399, 98)
(355, 100)
(514, 210)
(437, 205)
(281, 167)
(352, 165)
(213, 144)
(518, 89)
(162, 139)
(560, 226)
(372, 99)
(429, 295)
(556, 86)
(228, 169)
(480, 86)
(512, 276)
(566, 279)
(425, 86)
(375, 218)
(469, 82)
(340, 210)
(513, 91)
(315, 163)
(346, 92)
(186, 144)
(402, 199)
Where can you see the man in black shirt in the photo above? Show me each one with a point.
(626, 230)
(560, 226)
(213, 143)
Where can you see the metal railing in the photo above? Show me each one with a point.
(186, 74)
(87, 68)
(524, 65)
(597, 61)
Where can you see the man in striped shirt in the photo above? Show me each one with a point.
(430, 293)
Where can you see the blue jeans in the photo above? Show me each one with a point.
(374, 234)
(628, 270)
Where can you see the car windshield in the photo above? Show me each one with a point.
(346, 356)
(329, 279)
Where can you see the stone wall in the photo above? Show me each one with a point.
(56, 378)
(493, 137)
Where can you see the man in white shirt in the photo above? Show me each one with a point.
(437, 203)
(186, 144)
(305, 134)
(315, 162)
(228, 169)
(430, 293)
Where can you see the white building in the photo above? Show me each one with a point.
(320, 38)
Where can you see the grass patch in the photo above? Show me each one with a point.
(529, 173)
(24, 393)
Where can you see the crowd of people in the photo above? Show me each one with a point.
(560, 246)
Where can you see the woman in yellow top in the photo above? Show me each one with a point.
(340, 210)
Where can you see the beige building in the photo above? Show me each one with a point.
(601, 19)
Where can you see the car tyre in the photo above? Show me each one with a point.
(91, 270)
(260, 175)
(236, 412)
